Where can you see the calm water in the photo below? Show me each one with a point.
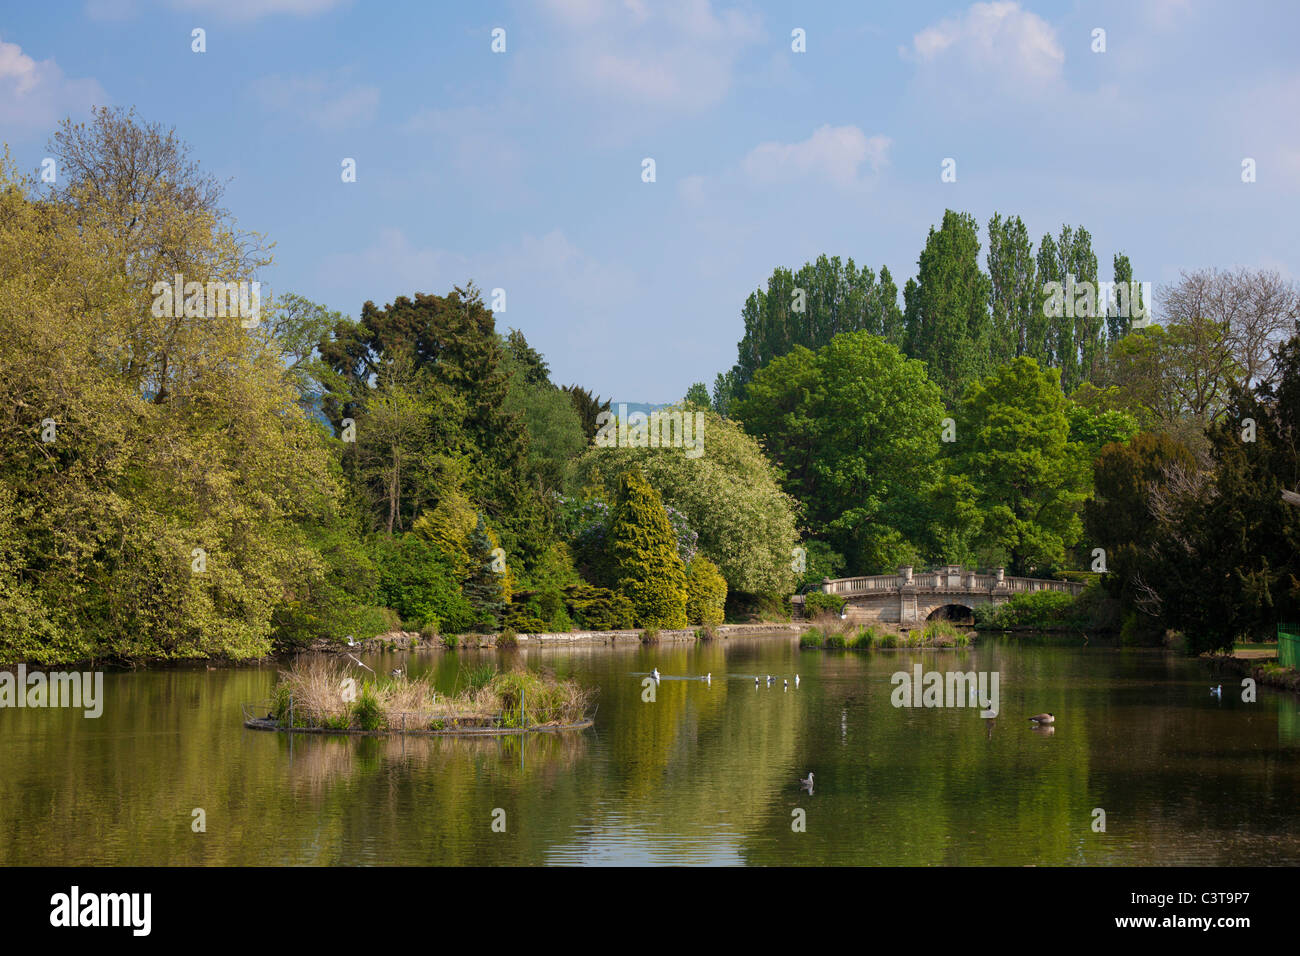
(705, 774)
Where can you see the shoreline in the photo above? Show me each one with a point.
(408, 640)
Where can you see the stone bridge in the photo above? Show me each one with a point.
(950, 593)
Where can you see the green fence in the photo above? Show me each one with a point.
(1288, 645)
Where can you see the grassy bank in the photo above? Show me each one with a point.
(324, 693)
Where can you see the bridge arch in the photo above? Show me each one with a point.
(957, 612)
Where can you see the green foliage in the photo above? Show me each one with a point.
(836, 298)
(483, 586)
(644, 554)
(942, 632)
(416, 581)
(866, 638)
(366, 710)
(1093, 429)
(697, 396)
(730, 496)
(822, 561)
(855, 428)
(946, 314)
(1038, 610)
(555, 430)
(815, 601)
(174, 434)
(452, 379)
(1119, 517)
(598, 609)
(706, 592)
(587, 406)
(1013, 433)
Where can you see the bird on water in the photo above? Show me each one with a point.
(1042, 719)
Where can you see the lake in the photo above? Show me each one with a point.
(707, 773)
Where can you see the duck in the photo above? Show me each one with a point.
(808, 780)
(769, 678)
(655, 673)
(755, 681)
(796, 680)
(351, 643)
(785, 684)
(708, 678)
(395, 672)
(1042, 719)
(1216, 691)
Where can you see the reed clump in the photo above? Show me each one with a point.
(324, 693)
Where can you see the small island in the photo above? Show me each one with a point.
(317, 695)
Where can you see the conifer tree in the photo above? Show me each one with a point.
(483, 583)
(643, 549)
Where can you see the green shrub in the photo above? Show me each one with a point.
(890, 640)
(650, 636)
(366, 710)
(836, 641)
(866, 638)
(643, 549)
(507, 638)
(811, 638)
(815, 601)
(706, 592)
(598, 609)
(1045, 610)
(934, 630)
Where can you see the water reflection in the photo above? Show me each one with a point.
(707, 772)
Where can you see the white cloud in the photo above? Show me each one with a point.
(673, 54)
(326, 102)
(36, 93)
(1019, 49)
(831, 153)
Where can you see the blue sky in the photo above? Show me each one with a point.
(522, 170)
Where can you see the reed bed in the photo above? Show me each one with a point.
(321, 692)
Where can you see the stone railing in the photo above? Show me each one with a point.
(950, 579)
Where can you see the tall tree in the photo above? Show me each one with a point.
(452, 340)
(855, 427)
(643, 550)
(809, 308)
(948, 322)
(1013, 292)
(588, 407)
(1013, 440)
